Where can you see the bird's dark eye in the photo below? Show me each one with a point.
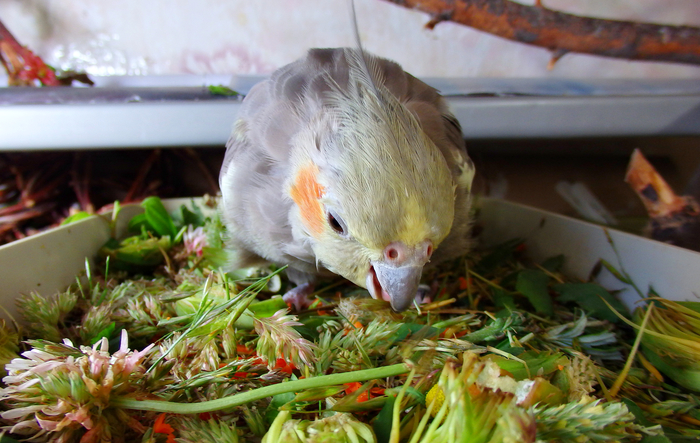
(336, 223)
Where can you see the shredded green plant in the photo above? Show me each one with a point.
(157, 343)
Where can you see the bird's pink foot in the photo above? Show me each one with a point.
(299, 296)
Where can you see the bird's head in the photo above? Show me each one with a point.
(373, 195)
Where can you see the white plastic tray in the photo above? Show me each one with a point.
(178, 111)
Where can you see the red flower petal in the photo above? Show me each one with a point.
(352, 387)
(160, 427)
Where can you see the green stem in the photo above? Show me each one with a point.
(489, 282)
(396, 413)
(623, 375)
(260, 393)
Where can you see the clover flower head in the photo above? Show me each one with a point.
(195, 240)
(61, 389)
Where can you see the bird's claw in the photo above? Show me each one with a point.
(299, 297)
(424, 295)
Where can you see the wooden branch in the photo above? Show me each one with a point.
(562, 33)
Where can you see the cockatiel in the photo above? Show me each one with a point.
(343, 162)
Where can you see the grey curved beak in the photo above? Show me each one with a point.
(398, 284)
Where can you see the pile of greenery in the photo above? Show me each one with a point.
(157, 343)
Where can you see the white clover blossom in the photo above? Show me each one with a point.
(62, 389)
(195, 240)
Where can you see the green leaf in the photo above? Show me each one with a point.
(222, 90)
(686, 376)
(106, 332)
(117, 208)
(617, 274)
(532, 284)
(137, 222)
(554, 264)
(143, 251)
(76, 217)
(562, 381)
(501, 254)
(267, 308)
(536, 363)
(318, 394)
(158, 218)
(649, 439)
(135, 251)
(512, 350)
(694, 305)
(216, 257)
(637, 411)
(590, 296)
(503, 300)
(350, 404)
(216, 231)
(382, 424)
(183, 216)
(277, 402)
(495, 330)
(407, 329)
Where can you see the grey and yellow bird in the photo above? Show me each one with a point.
(343, 162)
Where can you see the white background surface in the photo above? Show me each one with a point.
(163, 37)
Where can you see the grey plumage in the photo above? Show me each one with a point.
(386, 157)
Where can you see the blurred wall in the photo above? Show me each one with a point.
(160, 37)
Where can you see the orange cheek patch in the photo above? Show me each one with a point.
(305, 192)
